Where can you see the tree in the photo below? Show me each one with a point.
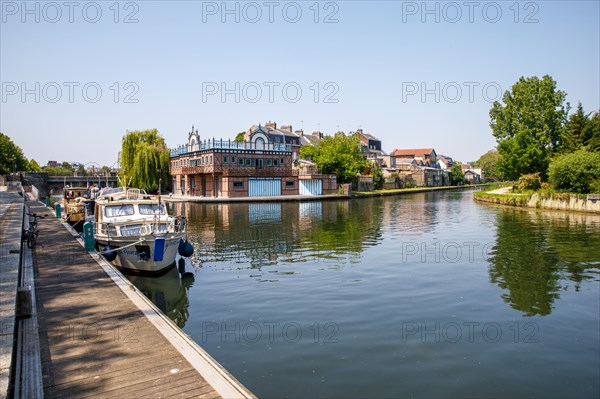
(456, 175)
(34, 166)
(593, 134)
(105, 170)
(81, 171)
(576, 129)
(239, 138)
(143, 155)
(339, 155)
(577, 172)
(378, 179)
(11, 156)
(529, 126)
(488, 163)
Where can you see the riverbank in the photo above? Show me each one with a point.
(402, 191)
(306, 198)
(561, 201)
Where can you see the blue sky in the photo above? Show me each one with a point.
(410, 73)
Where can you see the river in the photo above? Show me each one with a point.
(422, 295)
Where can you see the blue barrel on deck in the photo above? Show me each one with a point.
(88, 236)
(159, 248)
(57, 207)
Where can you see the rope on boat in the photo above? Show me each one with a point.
(129, 245)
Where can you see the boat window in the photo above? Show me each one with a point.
(118, 210)
(151, 209)
(131, 230)
(160, 228)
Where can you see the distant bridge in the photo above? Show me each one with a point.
(53, 185)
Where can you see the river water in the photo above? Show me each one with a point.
(422, 295)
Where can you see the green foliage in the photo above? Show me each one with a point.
(529, 126)
(11, 156)
(34, 166)
(530, 181)
(575, 130)
(58, 171)
(456, 175)
(577, 172)
(339, 155)
(593, 141)
(239, 138)
(143, 155)
(409, 184)
(378, 178)
(488, 163)
(81, 171)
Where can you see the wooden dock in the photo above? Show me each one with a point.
(100, 337)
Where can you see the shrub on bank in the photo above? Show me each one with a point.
(531, 181)
(577, 172)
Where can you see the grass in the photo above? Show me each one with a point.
(407, 190)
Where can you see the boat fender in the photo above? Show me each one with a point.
(186, 249)
(109, 253)
(159, 249)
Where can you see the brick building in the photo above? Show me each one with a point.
(261, 165)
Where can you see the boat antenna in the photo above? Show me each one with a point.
(159, 191)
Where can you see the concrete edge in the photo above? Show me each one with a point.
(8, 321)
(215, 374)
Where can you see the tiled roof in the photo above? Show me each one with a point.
(412, 152)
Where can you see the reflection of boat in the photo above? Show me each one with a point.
(168, 292)
(73, 202)
(134, 231)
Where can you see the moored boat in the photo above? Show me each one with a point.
(73, 203)
(135, 233)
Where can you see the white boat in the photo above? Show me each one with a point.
(133, 231)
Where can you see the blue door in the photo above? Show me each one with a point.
(311, 187)
(264, 187)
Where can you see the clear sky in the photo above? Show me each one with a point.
(77, 75)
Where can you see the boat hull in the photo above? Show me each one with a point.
(139, 258)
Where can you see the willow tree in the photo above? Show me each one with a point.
(144, 159)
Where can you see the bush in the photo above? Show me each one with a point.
(531, 181)
(577, 172)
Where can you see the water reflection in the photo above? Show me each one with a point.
(267, 234)
(539, 254)
(168, 292)
(536, 256)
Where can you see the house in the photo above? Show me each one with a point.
(373, 150)
(261, 165)
(445, 162)
(282, 135)
(472, 177)
(307, 139)
(420, 165)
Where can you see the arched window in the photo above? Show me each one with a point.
(259, 143)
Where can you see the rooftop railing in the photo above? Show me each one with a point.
(228, 144)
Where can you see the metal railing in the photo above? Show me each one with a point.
(228, 144)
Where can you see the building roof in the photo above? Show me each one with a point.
(412, 152)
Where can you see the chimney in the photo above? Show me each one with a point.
(299, 132)
(287, 128)
(271, 125)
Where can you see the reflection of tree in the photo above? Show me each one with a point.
(533, 256)
(344, 227)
